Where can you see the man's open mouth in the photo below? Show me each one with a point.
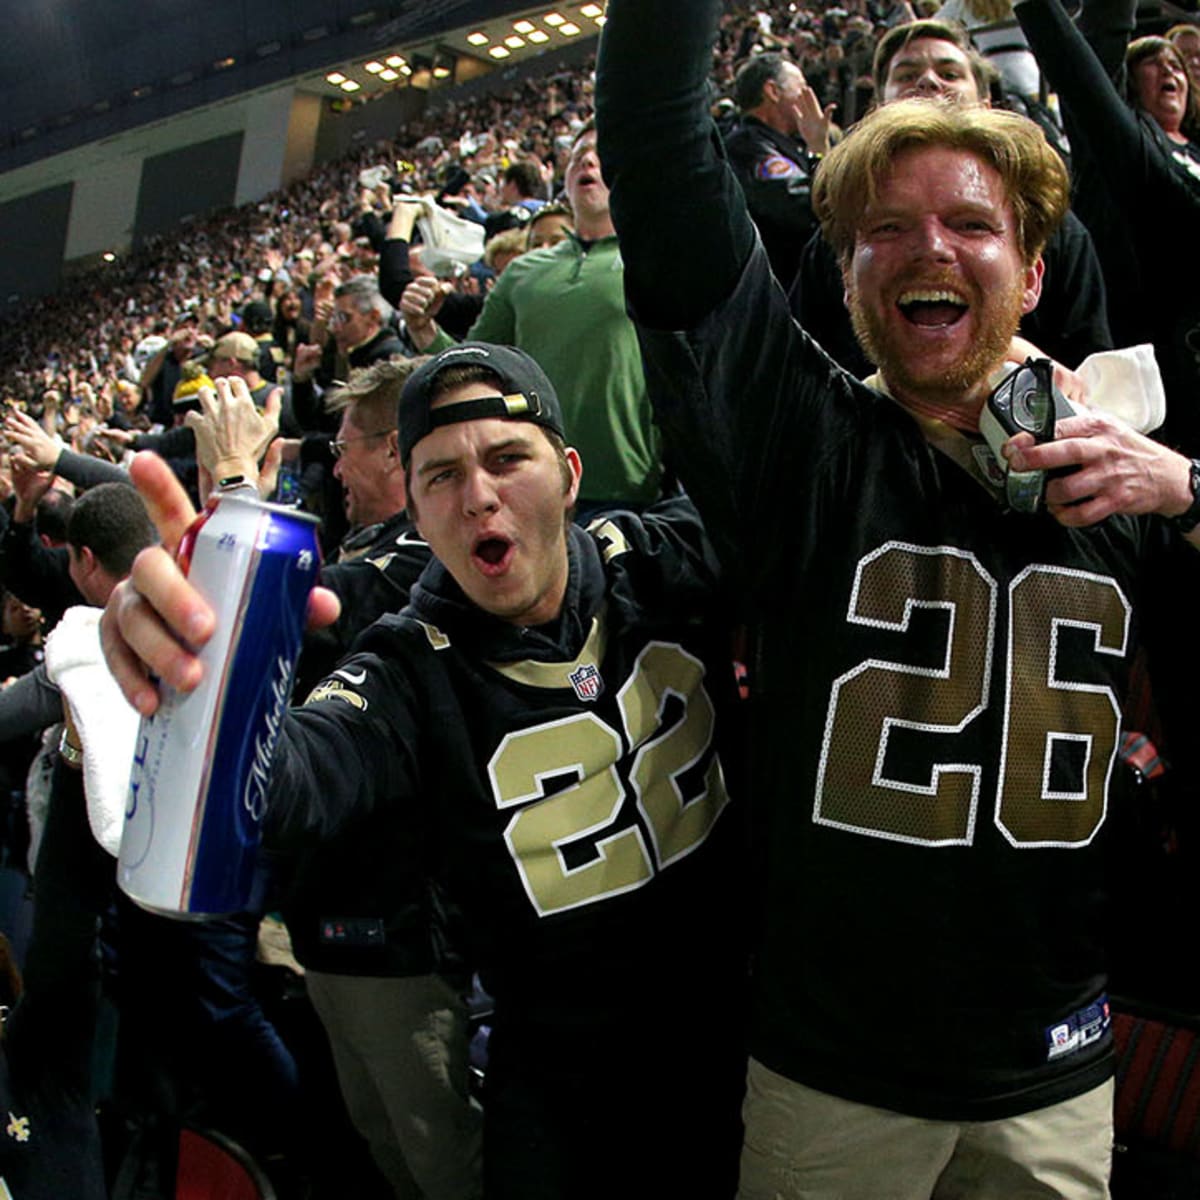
(491, 553)
(935, 308)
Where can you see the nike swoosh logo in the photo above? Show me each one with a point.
(351, 677)
(408, 539)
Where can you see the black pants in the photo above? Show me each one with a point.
(652, 1114)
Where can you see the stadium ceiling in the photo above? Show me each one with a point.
(459, 54)
(80, 71)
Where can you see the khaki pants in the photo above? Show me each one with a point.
(803, 1144)
(400, 1048)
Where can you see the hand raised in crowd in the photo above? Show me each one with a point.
(155, 621)
(119, 437)
(324, 289)
(814, 120)
(1118, 470)
(30, 484)
(34, 445)
(419, 305)
(281, 450)
(232, 435)
(308, 359)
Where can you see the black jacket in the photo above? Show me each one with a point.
(361, 902)
(775, 172)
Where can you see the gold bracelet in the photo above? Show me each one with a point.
(71, 754)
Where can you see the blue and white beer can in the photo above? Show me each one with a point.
(198, 786)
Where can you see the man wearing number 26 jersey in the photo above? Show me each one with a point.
(548, 713)
(939, 677)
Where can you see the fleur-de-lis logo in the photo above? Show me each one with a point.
(18, 1128)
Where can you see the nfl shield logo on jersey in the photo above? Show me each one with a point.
(586, 681)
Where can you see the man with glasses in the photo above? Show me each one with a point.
(361, 323)
(381, 556)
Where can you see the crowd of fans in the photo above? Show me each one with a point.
(342, 276)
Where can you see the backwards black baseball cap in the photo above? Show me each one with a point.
(525, 393)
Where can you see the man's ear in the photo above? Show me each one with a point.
(1033, 285)
(576, 465)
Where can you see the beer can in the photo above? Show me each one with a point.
(198, 785)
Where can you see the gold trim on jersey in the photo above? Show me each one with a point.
(333, 690)
(437, 639)
(954, 444)
(557, 674)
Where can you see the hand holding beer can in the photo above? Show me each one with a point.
(198, 785)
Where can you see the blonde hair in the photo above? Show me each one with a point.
(1035, 181)
(510, 241)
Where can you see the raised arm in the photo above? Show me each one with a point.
(681, 218)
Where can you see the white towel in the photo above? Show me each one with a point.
(106, 722)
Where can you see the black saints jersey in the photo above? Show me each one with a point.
(567, 781)
(939, 687)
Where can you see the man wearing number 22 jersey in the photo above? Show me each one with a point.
(565, 776)
(938, 678)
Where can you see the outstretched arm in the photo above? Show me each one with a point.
(680, 215)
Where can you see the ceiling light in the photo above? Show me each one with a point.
(388, 75)
(406, 70)
(478, 38)
(591, 10)
(350, 86)
(109, 256)
(538, 36)
(514, 42)
(394, 60)
(600, 20)
(335, 77)
(568, 29)
(523, 26)
(441, 72)
(499, 51)
(553, 18)
(373, 68)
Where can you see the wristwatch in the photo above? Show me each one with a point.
(1190, 517)
(70, 754)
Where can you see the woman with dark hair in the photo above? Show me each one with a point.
(1157, 84)
(290, 328)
